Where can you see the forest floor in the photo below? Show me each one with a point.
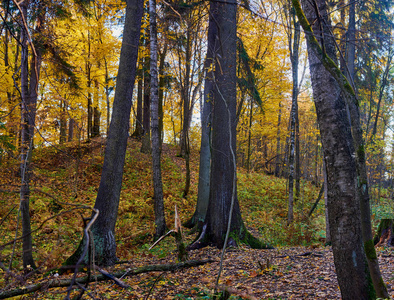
(64, 185)
(282, 273)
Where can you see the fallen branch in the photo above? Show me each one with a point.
(66, 282)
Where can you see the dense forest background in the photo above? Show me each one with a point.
(61, 79)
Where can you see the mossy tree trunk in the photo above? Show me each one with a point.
(223, 207)
(330, 90)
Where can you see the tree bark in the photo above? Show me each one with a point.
(154, 96)
(146, 141)
(343, 204)
(28, 112)
(107, 200)
(138, 131)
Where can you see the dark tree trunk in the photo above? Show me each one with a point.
(63, 123)
(96, 111)
(343, 204)
(71, 125)
(146, 142)
(107, 200)
(28, 112)
(223, 165)
(223, 190)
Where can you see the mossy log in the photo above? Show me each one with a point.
(384, 235)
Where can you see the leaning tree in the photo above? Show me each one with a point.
(108, 195)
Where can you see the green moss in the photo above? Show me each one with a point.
(370, 249)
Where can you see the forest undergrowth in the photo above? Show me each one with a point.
(64, 185)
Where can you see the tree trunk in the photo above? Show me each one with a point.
(294, 46)
(146, 142)
(96, 111)
(28, 112)
(205, 149)
(223, 201)
(278, 148)
(154, 96)
(107, 200)
(343, 206)
(161, 91)
(71, 125)
(138, 132)
(63, 123)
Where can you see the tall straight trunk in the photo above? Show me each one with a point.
(71, 125)
(223, 212)
(138, 132)
(28, 112)
(294, 45)
(96, 111)
(107, 201)
(249, 153)
(278, 154)
(154, 95)
(107, 95)
(161, 90)
(89, 86)
(186, 93)
(146, 141)
(343, 203)
(63, 123)
(204, 171)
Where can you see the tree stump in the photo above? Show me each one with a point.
(384, 235)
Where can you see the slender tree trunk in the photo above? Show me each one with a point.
(154, 96)
(71, 125)
(28, 112)
(89, 86)
(249, 154)
(146, 141)
(63, 123)
(107, 95)
(161, 90)
(96, 111)
(186, 93)
(294, 46)
(107, 200)
(278, 154)
(343, 204)
(138, 132)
